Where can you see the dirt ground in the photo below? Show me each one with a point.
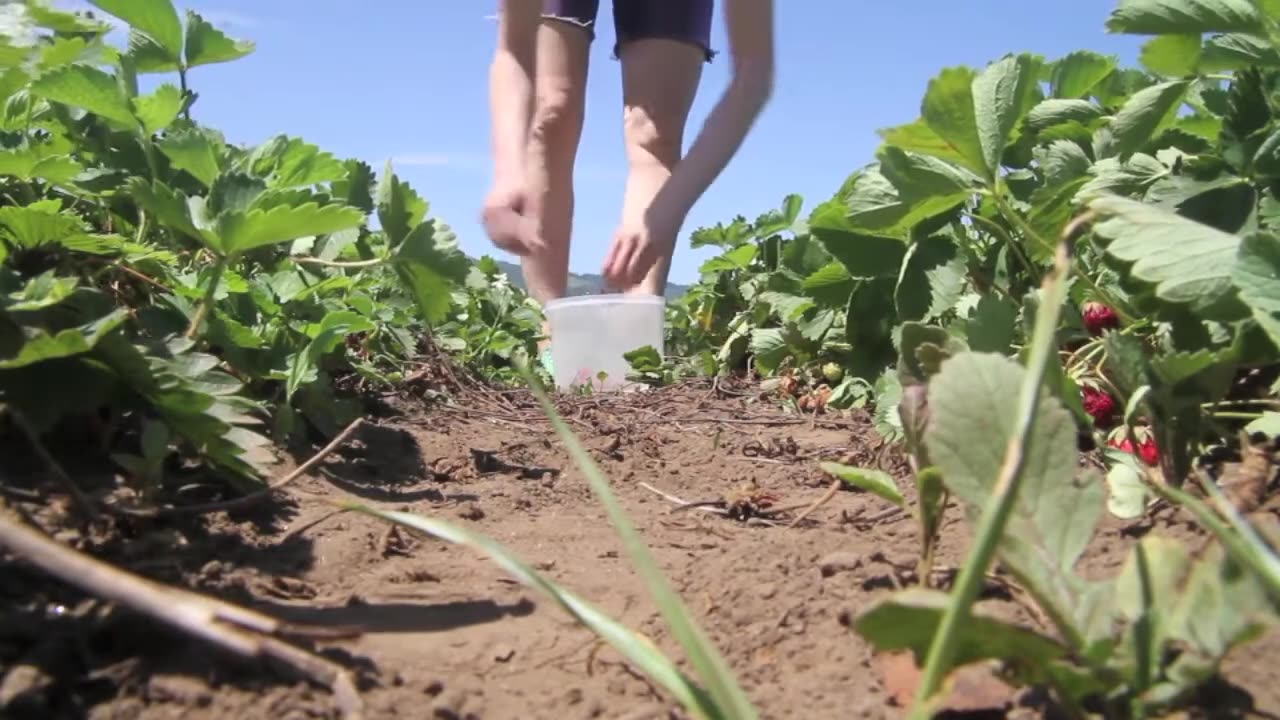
(448, 635)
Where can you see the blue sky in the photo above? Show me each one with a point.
(407, 81)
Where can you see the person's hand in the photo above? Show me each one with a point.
(506, 219)
(638, 246)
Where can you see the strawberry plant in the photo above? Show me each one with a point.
(182, 293)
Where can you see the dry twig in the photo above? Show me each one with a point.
(242, 632)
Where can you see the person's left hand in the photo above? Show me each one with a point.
(638, 246)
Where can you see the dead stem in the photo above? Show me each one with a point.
(243, 632)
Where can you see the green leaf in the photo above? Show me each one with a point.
(429, 263)
(1172, 55)
(788, 307)
(39, 345)
(972, 419)
(400, 209)
(1002, 94)
(1061, 162)
(1056, 111)
(159, 109)
(769, 348)
(873, 205)
(875, 482)
(993, 326)
(336, 325)
(862, 255)
(88, 88)
(156, 18)
(1126, 495)
(932, 279)
(1143, 114)
(922, 349)
(921, 138)
(1188, 262)
(908, 619)
(1257, 276)
(169, 207)
(1173, 17)
(36, 225)
(38, 162)
(207, 45)
(917, 176)
(193, 151)
(1237, 51)
(949, 112)
(637, 649)
(292, 163)
(242, 231)
(1079, 73)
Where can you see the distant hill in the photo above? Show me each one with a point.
(580, 284)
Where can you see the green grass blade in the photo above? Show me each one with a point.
(711, 667)
(636, 648)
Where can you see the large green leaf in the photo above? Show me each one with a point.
(1076, 75)
(88, 88)
(159, 109)
(242, 231)
(972, 418)
(1056, 111)
(194, 151)
(1188, 262)
(931, 280)
(1172, 55)
(38, 162)
(400, 209)
(36, 225)
(918, 177)
(948, 110)
(1146, 111)
(1002, 94)
(207, 45)
(1257, 276)
(907, 620)
(1237, 51)
(429, 262)
(1172, 17)
(156, 18)
(40, 345)
(873, 205)
(170, 208)
(862, 255)
(919, 137)
(1062, 161)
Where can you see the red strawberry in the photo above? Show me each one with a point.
(1099, 317)
(1147, 449)
(1100, 406)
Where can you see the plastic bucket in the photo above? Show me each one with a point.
(590, 334)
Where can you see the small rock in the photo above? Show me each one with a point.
(471, 511)
(838, 562)
(766, 590)
(503, 653)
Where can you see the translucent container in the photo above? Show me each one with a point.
(591, 333)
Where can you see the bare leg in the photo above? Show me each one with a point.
(559, 100)
(659, 81)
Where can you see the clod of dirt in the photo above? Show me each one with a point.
(969, 689)
(179, 689)
(838, 562)
(471, 511)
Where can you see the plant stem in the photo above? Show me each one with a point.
(1000, 505)
(207, 300)
(340, 263)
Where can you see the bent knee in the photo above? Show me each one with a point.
(557, 116)
(653, 137)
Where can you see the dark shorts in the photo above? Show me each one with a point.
(685, 20)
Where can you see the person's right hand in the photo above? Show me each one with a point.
(507, 222)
